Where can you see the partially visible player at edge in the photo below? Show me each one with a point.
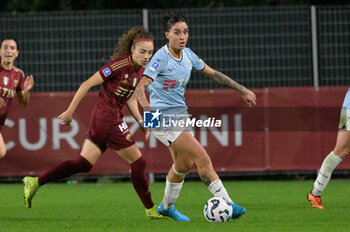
(166, 77)
(107, 129)
(335, 157)
(12, 81)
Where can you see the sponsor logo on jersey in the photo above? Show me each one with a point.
(5, 80)
(15, 83)
(106, 72)
(154, 66)
(169, 84)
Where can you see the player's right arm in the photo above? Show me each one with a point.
(140, 92)
(66, 116)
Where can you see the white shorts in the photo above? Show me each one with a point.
(344, 122)
(168, 135)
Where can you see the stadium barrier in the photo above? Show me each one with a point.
(291, 129)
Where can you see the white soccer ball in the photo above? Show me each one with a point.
(217, 209)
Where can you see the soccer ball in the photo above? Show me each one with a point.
(217, 209)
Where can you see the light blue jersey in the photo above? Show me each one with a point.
(170, 77)
(346, 103)
(344, 122)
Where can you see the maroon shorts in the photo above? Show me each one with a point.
(108, 134)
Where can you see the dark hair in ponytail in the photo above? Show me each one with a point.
(169, 19)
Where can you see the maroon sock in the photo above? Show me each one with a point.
(140, 182)
(65, 169)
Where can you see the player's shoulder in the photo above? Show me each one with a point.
(161, 53)
(159, 59)
(188, 51)
(120, 63)
(18, 70)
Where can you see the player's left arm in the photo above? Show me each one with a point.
(247, 95)
(24, 95)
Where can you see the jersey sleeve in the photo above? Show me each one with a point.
(155, 66)
(21, 81)
(197, 62)
(106, 72)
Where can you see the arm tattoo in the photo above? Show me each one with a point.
(225, 80)
(205, 179)
(141, 96)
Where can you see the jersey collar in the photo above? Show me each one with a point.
(179, 60)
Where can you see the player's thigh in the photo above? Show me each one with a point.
(2, 146)
(342, 147)
(91, 152)
(130, 154)
(187, 146)
(182, 163)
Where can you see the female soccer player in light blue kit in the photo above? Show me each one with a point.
(166, 77)
(333, 159)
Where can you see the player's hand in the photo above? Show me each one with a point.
(2, 103)
(146, 130)
(66, 118)
(249, 97)
(29, 83)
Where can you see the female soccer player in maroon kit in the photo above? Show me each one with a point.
(12, 81)
(108, 130)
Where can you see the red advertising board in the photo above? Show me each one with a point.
(290, 129)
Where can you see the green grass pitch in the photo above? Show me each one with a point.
(271, 206)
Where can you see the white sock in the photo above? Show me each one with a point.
(325, 173)
(218, 190)
(171, 193)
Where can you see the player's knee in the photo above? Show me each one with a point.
(139, 164)
(81, 164)
(182, 170)
(342, 152)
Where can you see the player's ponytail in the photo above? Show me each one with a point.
(126, 41)
(169, 19)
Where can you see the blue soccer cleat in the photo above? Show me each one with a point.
(173, 213)
(237, 211)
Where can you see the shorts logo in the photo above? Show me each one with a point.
(154, 66)
(106, 72)
(123, 127)
(128, 137)
(152, 119)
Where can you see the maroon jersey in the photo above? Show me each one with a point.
(107, 129)
(11, 81)
(120, 79)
